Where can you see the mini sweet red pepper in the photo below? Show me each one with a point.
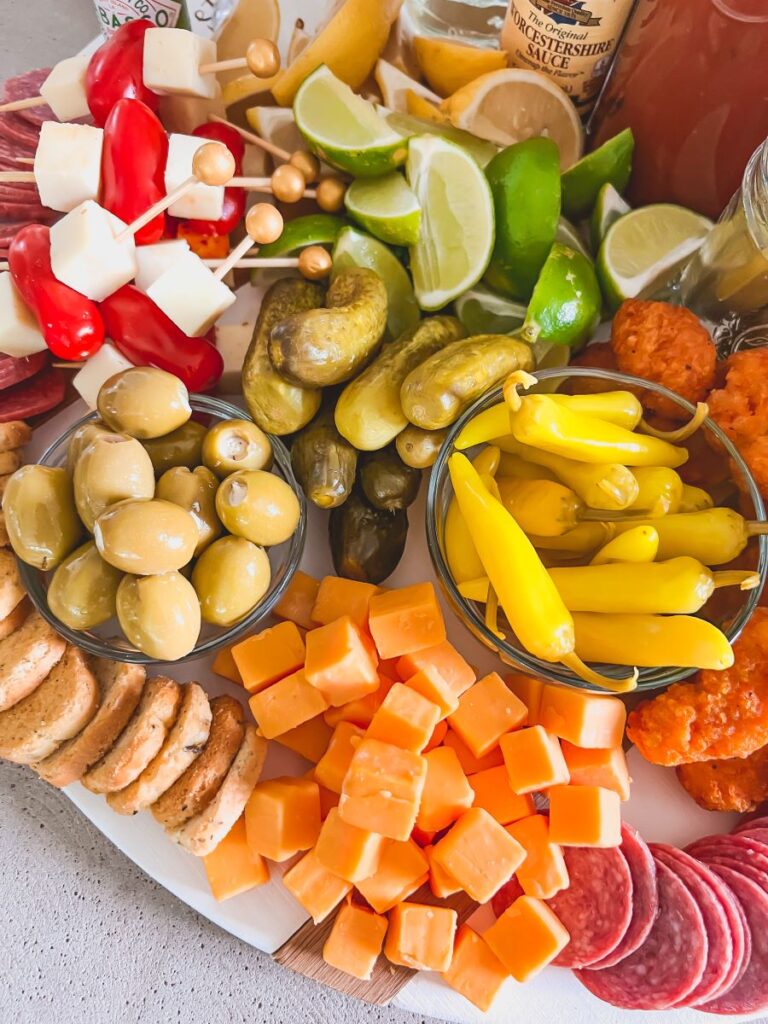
(116, 71)
(145, 335)
(71, 323)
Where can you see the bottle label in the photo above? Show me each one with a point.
(570, 41)
(164, 13)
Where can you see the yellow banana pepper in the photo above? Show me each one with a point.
(714, 535)
(694, 499)
(585, 539)
(652, 641)
(460, 553)
(543, 507)
(518, 468)
(661, 490)
(475, 590)
(640, 544)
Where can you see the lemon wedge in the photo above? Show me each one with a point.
(395, 84)
(449, 66)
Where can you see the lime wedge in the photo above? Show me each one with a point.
(568, 234)
(386, 207)
(565, 305)
(609, 206)
(345, 130)
(482, 311)
(314, 229)
(644, 249)
(407, 124)
(610, 163)
(355, 249)
(457, 231)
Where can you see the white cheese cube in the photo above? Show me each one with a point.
(154, 260)
(64, 89)
(191, 295)
(99, 368)
(68, 164)
(86, 255)
(172, 58)
(19, 331)
(203, 202)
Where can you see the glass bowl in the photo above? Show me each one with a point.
(106, 640)
(731, 616)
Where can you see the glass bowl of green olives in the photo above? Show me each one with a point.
(147, 537)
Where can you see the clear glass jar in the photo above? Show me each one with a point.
(476, 21)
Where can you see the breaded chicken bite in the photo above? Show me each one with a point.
(736, 784)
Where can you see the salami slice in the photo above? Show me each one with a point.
(28, 84)
(13, 371)
(743, 849)
(750, 993)
(42, 392)
(761, 821)
(745, 868)
(645, 900)
(19, 133)
(758, 835)
(669, 964)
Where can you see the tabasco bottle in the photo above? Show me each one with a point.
(164, 13)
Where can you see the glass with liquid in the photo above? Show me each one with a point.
(477, 21)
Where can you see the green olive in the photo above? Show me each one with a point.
(81, 438)
(230, 579)
(112, 468)
(182, 447)
(146, 537)
(144, 402)
(236, 444)
(160, 615)
(40, 515)
(195, 491)
(83, 589)
(258, 506)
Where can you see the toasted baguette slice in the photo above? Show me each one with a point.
(203, 833)
(141, 739)
(26, 658)
(202, 780)
(12, 621)
(185, 741)
(57, 710)
(120, 687)
(14, 434)
(11, 590)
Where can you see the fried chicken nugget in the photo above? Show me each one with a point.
(598, 356)
(716, 715)
(736, 784)
(740, 407)
(755, 454)
(667, 345)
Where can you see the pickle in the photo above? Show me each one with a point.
(387, 482)
(441, 388)
(277, 406)
(366, 543)
(323, 462)
(419, 448)
(368, 412)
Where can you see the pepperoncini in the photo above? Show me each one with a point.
(714, 535)
(640, 544)
(660, 490)
(694, 499)
(651, 641)
(460, 552)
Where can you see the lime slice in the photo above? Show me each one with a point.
(565, 305)
(610, 163)
(609, 206)
(644, 249)
(568, 234)
(457, 231)
(314, 229)
(525, 184)
(482, 151)
(386, 207)
(355, 249)
(482, 311)
(344, 129)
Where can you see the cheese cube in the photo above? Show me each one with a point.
(494, 793)
(298, 598)
(85, 252)
(224, 665)
(599, 766)
(584, 719)
(172, 58)
(153, 260)
(443, 658)
(362, 710)
(543, 873)
(284, 705)
(268, 656)
(310, 739)
(282, 816)
(406, 620)
(405, 719)
(314, 887)
(529, 689)
(534, 760)
(339, 662)
(440, 882)
(584, 816)
(475, 972)
(99, 368)
(432, 685)
(337, 597)
(479, 853)
(203, 202)
(383, 789)
(351, 853)
(20, 333)
(527, 937)
(191, 295)
(486, 712)
(333, 765)
(471, 764)
(232, 868)
(68, 164)
(447, 793)
(421, 936)
(355, 941)
(402, 870)
(64, 88)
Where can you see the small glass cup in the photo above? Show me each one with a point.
(731, 621)
(106, 641)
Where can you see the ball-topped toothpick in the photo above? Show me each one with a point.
(305, 161)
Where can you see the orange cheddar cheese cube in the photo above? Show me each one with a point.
(339, 662)
(471, 764)
(440, 882)
(299, 598)
(402, 870)
(543, 872)
(447, 793)
(479, 853)
(361, 711)
(314, 887)
(224, 665)
(233, 868)
(430, 684)
(286, 705)
(438, 735)
(328, 800)
(584, 816)
(406, 620)
(486, 712)
(529, 690)
(355, 941)
(421, 936)
(527, 937)
(584, 719)
(270, 655)
(310, 739)
(598, 766)
(533, 760)
(475, 972)
(282, 817)
(443, 658)
(405, 719)
(332, 766)
(494, 793)
(383, 789)
(351, 853)
(337, 597)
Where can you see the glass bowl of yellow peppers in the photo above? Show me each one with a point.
(568, 537)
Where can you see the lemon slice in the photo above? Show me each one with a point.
(418, 106)
(448, 66)
(250, 19)
(515, 104)
(277, 125)
(457, 225)
(394, 84)
(482, 311)
(386, 207)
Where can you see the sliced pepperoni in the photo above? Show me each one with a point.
(42, 392)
